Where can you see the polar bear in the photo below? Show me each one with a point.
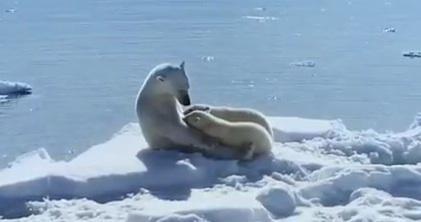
(234, 115)
(248, 137)
(160, 106)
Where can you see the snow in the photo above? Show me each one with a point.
(14, 88)
(318, 171)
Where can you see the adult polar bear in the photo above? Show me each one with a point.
(160, 106)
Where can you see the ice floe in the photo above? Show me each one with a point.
(319, 171)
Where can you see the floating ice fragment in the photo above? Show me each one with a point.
(305, 63)
(3, 99)
(261, 18)
(244, 82)
(389, 29)
(260, 9)
(10, 10)
(14, 88)
(208, 58)
(412, 54)
(274, 98)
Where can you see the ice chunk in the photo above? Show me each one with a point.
(208, 58)
(412, 54)
(3, 99)
(261, 18)
(305, 63)
(389, 29)
(10, 10)
(11, 88)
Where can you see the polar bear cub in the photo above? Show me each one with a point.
(234, 115)
(249, 138)
(242, 115)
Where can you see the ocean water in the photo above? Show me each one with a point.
(87, 59)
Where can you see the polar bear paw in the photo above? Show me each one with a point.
(192, 108)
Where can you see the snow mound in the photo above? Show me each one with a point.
(318, 169)
(278, 200)
(335, 185)
(14, 88)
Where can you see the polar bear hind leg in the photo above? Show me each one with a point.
(246, 151)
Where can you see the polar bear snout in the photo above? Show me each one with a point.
(183, 97)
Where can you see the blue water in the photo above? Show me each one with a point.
(87, 59)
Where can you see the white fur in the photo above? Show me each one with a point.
(248, 137)
(242, 115)
(160, 114)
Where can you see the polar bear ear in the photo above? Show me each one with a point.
(182, 65)
(160, 78)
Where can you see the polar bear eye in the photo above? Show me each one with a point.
(160, 78)
(197, 119)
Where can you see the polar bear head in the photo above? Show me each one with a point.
(168, 79)
(201, 120)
